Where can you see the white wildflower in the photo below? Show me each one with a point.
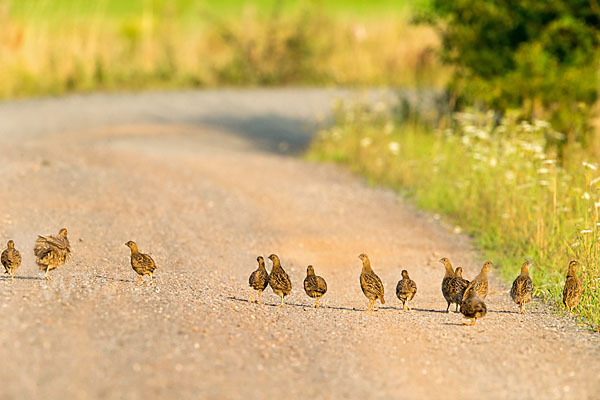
(597, 204)
(509, 175)
(586, 195)
(594, 181)
(394, 148)
(388, 128)
(493, 162)
(365, 142)
(590, 166)
(543, 171)
(544, 183)
(541, 124)
(575, 244)
(549, 162)
(586, 231)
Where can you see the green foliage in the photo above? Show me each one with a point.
(497, 180)
(539, 56)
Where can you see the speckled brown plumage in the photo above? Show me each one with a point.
(141, 263)
(573, 290)
(448, 276)
(522, 287)
(11, 259)
(370, 283)
(473, 308)
(259, 279)
(479, 285)
(52, 251)
(458, 285)
(279, 280)
(314, 285)
(406, 289)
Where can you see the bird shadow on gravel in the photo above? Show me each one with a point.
(428, 310)
(292, 304)
(25, 278)
(114, 279)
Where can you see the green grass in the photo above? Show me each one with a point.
(58, 46)
(503, 185)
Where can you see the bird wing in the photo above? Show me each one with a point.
(373, 282)
(144, 260)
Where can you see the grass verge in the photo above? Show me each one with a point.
(499, 181)
(53, 47)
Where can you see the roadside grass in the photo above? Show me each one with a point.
(53, 47)
(499, 182)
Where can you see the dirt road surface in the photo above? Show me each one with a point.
(204, 182)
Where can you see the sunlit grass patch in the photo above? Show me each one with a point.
(499, 180)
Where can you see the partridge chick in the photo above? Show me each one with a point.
(406, 289)
(479, 285)
(11, 259)
(458, 285)
(314, 285)
(522, 288)
(370, 283)
(279, 280)
(141, 263)
(448, 276)
(52, 251)
(259, 279)
(573, 290)
(473, 308)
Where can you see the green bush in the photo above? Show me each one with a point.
(539, 57)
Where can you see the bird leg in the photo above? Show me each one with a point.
(12, 274)
(522, 309)
(317, 303)
(281, 305)
(140, 280)
(448, 308)
(456, 310)
(473, 321)
(46, 276)
(150, 279)
(371, 305)
(259, 293)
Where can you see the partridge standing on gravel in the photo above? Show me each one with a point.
(479, 285)
(11, 259)
(573, 290)
(458, 285)
(52, 251)
(279, 280)
(406, 289)
(522, 288)
(141, 263)
(314, 286)
(473, 308)
(448, 276)
(259, 279)
(370, 283)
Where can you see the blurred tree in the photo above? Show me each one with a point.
(539, 56)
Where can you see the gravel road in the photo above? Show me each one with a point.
(205, 182)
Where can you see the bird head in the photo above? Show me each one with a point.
(131, 244)
(526, 265)
(63, 232)
(260, 259)
(486, 266)
(572, 266)
(275, 259)
(10, 244)
(404, 274)
(444, 260)
(458, 272)
(310, 270)
(363, 256)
